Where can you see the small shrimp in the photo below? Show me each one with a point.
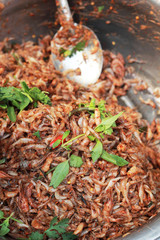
(97, 116)
(79, 228)
(23, 202)
(149, 135)
(107, 208)
(134, 170)
(10, 194)
(37, 225)
(47, 163)
(4, 175)
(23, 141)
(29, 193)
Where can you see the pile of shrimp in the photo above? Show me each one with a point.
(102, 200)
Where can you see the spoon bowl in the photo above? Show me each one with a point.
(83, 66)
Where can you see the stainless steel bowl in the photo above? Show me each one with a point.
(133, 28)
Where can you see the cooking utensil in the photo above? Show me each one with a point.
(130, 39)
(83, 66)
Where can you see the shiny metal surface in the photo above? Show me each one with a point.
(29, 19)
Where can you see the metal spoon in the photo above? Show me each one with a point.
(83, 66)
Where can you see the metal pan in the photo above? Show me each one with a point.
(132, 28)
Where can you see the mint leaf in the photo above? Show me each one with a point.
(97, 151)
(37, 134)
(107, 122)
(80, 46)
(1, 214)
(36, 236)
(60, 172)
(108, 131)
(75, 161)
(91, 137)
(92, 104)
(4, 230)
(65, 134)
(11, 113)
(119, 161)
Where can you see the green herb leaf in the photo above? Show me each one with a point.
(69, 52)
(52, 234)
(54, 230)
(65, 134)
(37, 134)
(69, 236)
(60, 226)
(11, 98)
(53, 221)
(4, 230)
(91, 137)
(100, 8)
(97, 151)
(80, 46)
(3, 160)
(56, 143)
(119, 161)
(92, 104)
(107, 122)
(11, 113)
(75, 161)
(143, 129)
(36, 236)
(37, 95)
(59, 174)
(1, 214)
(24, 87)
(17, 58)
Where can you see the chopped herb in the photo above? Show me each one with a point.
(12, 98)
(3, 160)
(91, 108)
(17, 58)
(65, 135)
(100, 8)
(55, 231)
(91, 137)
(107, 123)
(37, 134)
(5, 224)
(36, 236)
(80, 109)
(11, 113)
(69, 53)
(143, 129)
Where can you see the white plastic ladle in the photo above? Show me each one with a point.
(90, 66)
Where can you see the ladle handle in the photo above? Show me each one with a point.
(64, 10)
